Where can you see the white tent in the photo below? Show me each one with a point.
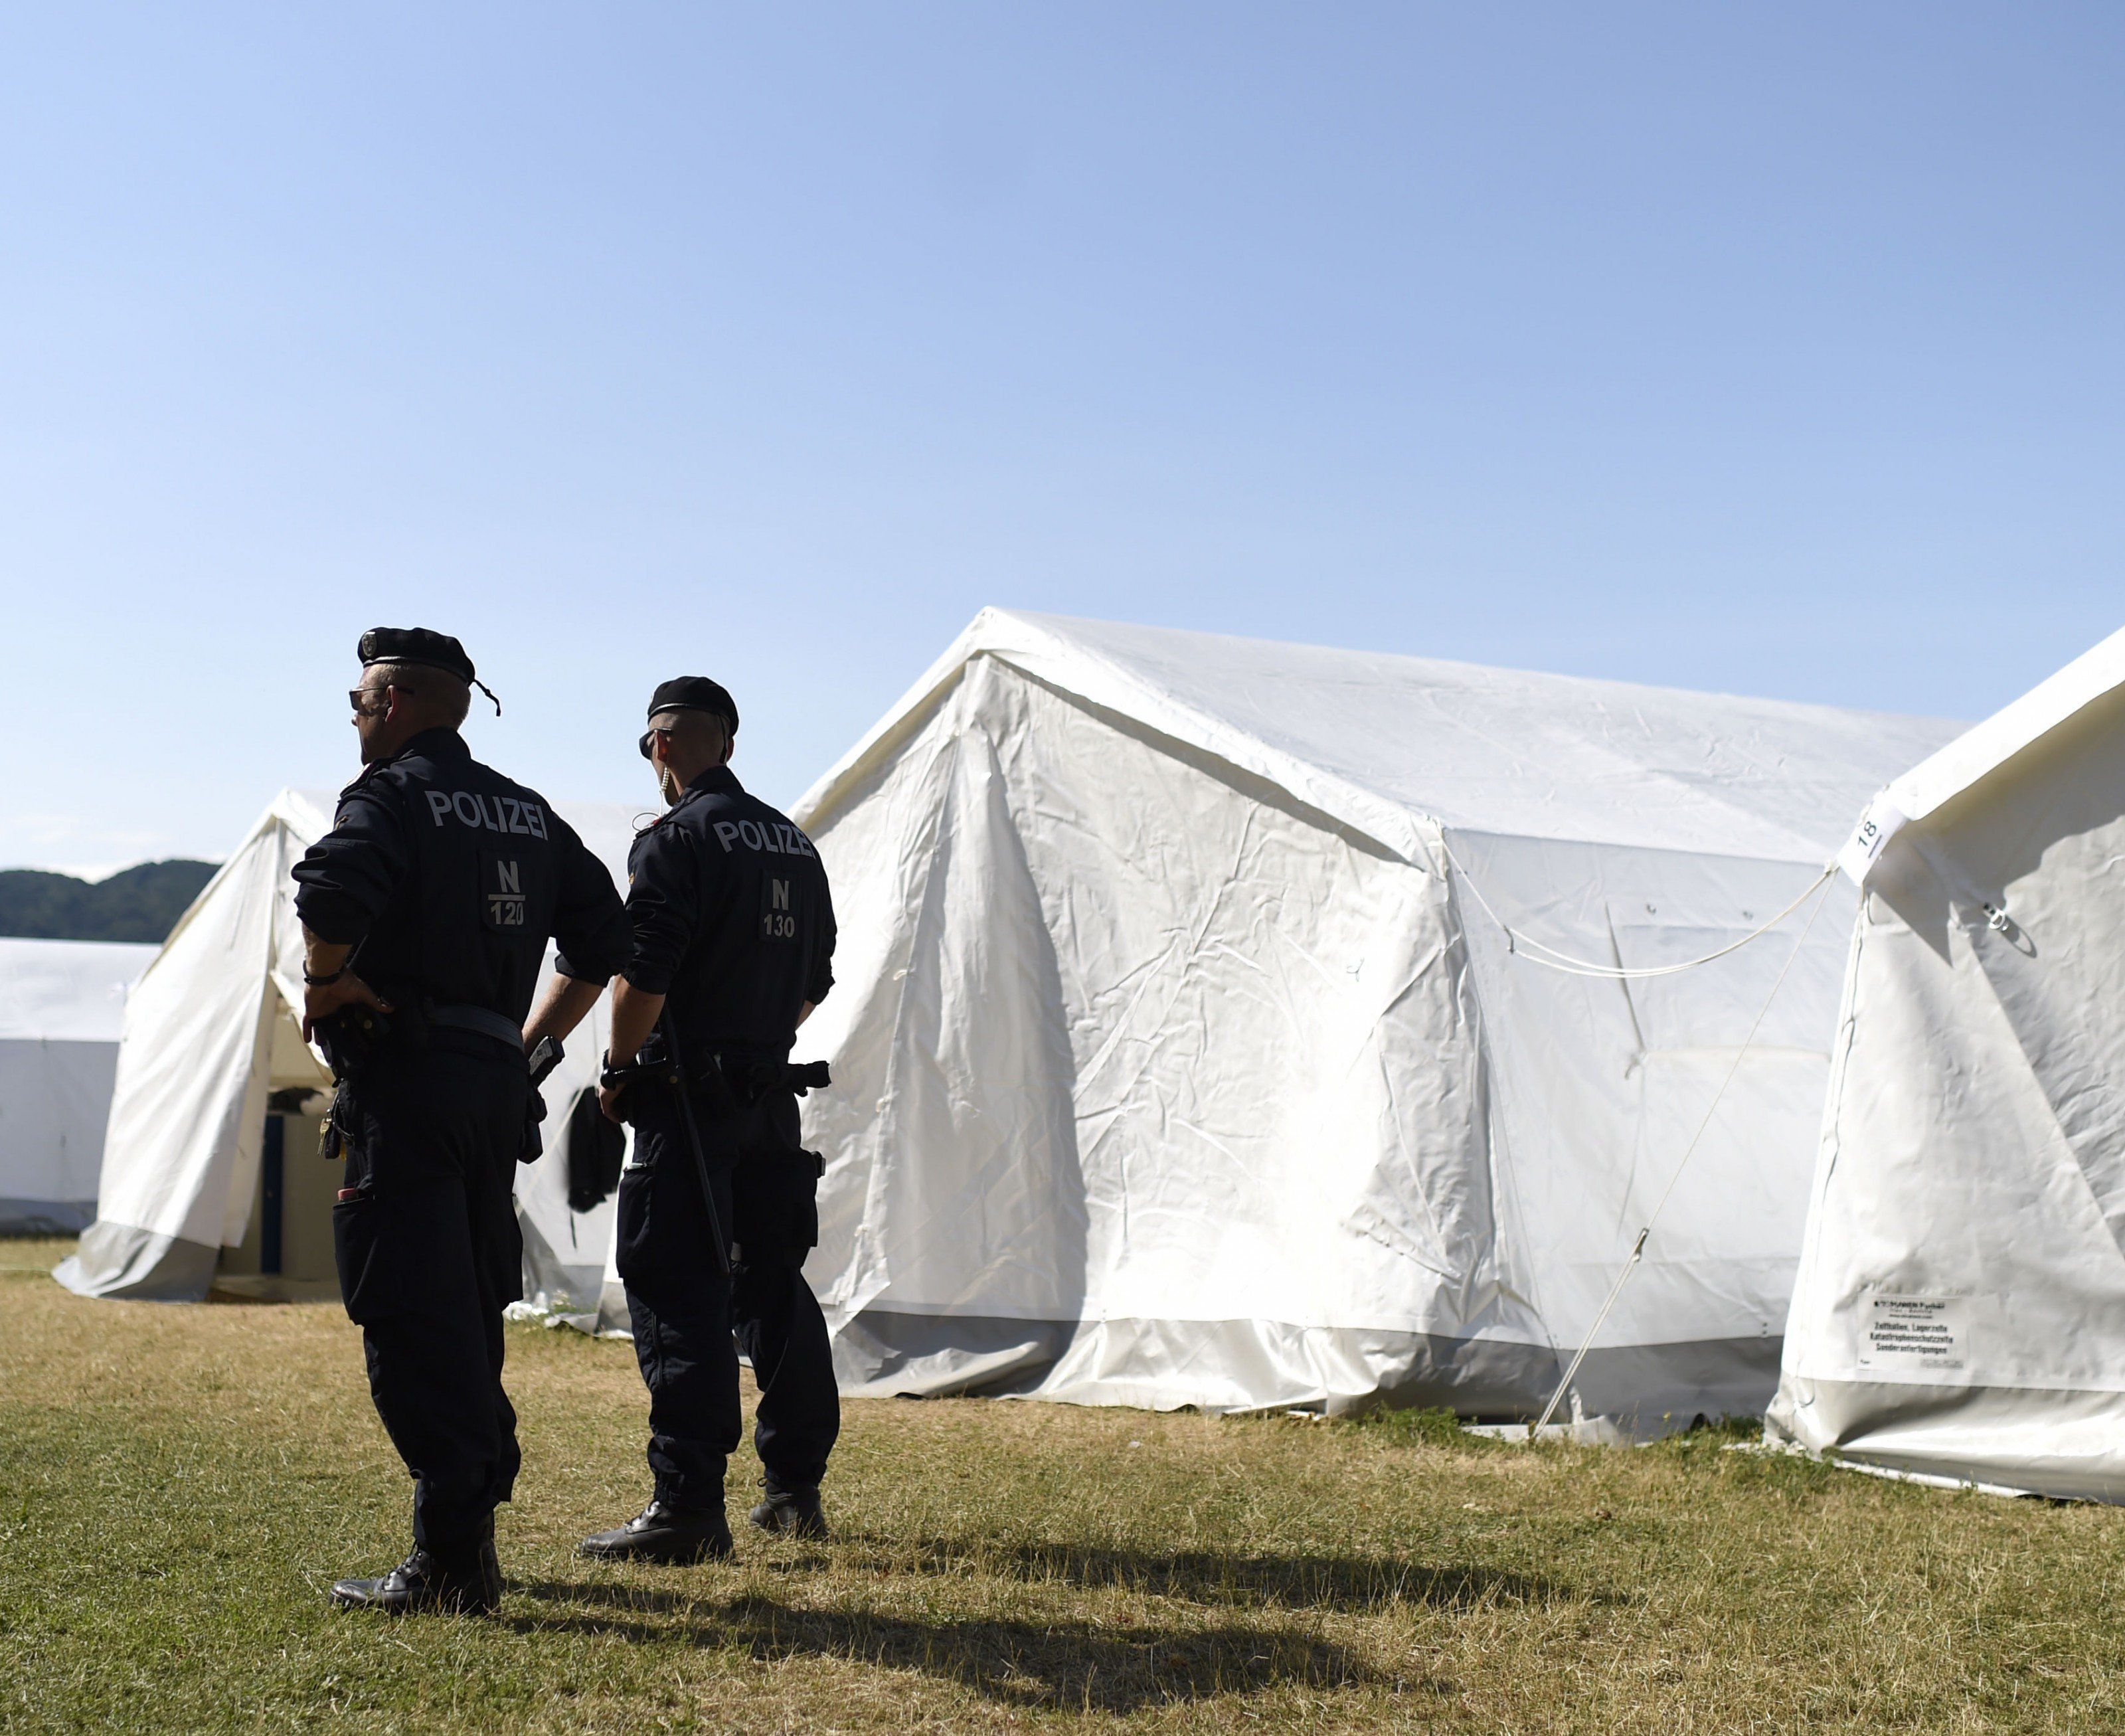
(1960, 1307)
(211, 1038)
(60, 1004)
(1175, 1064)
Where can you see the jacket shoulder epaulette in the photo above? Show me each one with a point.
(367, 775)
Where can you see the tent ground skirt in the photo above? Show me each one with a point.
(135, 1264)
(45, 1217)
(2060, 1443)
(1648, 1389)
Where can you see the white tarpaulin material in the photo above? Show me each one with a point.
(211, 1030)
(1960, 1307)
(60, 1004)
(1175, 1064)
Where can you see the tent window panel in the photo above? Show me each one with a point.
(1714, 1006)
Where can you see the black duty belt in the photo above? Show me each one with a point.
(480, 1019)
(753, 1080)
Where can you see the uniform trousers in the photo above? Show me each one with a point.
(429, 1255)
(690, 1321)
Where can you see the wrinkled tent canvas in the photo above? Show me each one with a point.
(211, 1030)
(1960, 1307)
(60, 1004)
(1174, 1063)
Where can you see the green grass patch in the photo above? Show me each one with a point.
(1437, 1428)
(178, 1486)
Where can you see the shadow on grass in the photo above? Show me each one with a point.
(1022, 1664)
(1350, 1584)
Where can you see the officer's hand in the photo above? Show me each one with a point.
(322, 1000)
(609, 1098)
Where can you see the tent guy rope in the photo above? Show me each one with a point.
(1526, 946)
(1638, 1247)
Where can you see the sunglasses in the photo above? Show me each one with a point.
(649, 735)
(374, 701)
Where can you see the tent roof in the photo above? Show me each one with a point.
(66, 991)
(1984, 747)
(1981, 750)
(1384, 742)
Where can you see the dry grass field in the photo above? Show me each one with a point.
(178, 1485)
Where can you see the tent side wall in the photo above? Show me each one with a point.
(55, 1099)
(1956, 1309)
(1151, 1086)
(62, 1003)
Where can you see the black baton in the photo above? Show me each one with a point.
(693, 1140)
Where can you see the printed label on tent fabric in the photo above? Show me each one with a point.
(1883, 821)
(1913, 1332)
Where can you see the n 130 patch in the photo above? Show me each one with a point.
(778, 908)
(501, 890)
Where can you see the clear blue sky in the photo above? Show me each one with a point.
(1769, 349)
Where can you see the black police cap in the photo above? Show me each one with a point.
(695, 693)
(419, 646)
(414, 645)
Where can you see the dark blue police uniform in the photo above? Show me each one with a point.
(733, 924)
(447, 879)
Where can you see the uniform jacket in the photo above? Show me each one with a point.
(732, 920)
(448, 879)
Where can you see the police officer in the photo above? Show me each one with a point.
(733, 940)
(426, 912)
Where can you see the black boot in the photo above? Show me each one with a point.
(426, 1581)
(791, 1512)
(674, 1536)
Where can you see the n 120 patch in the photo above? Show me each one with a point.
(501, 891)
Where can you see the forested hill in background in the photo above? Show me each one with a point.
(138, 904)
